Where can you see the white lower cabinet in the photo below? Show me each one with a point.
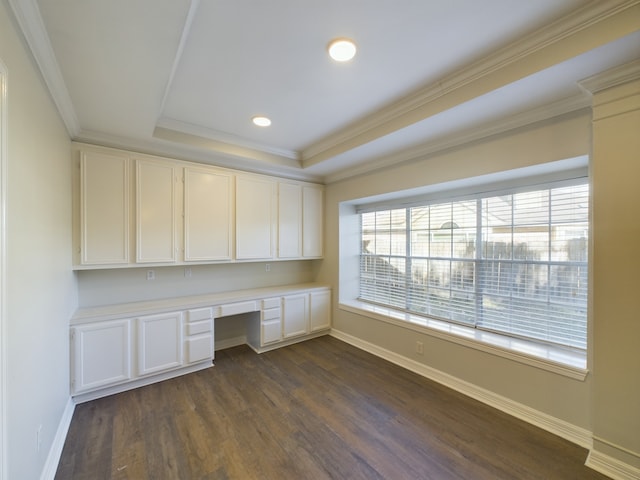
(319, 310)
(111, 353)
(118, 348)
(289, 319)
(295, 315)
(199, 335)
(271, 321)
(159, 343)
(101, 354)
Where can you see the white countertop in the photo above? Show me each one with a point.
(120, 310)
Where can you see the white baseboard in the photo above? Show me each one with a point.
(286, 343)
(55, 452)
(140, 382)
(568, 431)
(611, 467)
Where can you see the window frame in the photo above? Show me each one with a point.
(560, 359)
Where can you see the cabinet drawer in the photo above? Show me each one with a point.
(200, 348)
(196, 328)
(236, 308)
(199, 314)
(271, 303)
(271, 332)
(271, 314)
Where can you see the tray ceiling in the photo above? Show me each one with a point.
(183, 78)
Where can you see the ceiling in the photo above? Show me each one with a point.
(183, 78)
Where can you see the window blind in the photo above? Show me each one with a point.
(514, 263)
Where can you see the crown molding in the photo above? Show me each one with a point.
(504, 125)
(197, 131)
(415, 106)
(29, 20)
(197, 153)
(612, 77)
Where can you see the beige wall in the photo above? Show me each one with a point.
(607, 403)
(41, 290)
(616, 267)
(561, 397)
(103, 287)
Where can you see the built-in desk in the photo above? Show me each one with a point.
(119, 347)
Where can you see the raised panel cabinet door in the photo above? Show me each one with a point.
(199, 348)
(271, 331)
(319, 310)
(312, 221)
(104, 209)
(207, 215)
(295, 315)
(101, 354)
(155, 212)
(254, 218)
(289, 220)
(159, 342)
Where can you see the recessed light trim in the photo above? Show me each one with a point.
(261, 121)
(342, 49)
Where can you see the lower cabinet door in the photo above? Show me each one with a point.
(271, 331)
(159, 343)
(199, 348)
(101, 354)
(320, 310)
(295, 315)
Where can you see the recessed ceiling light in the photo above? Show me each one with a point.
(342, 49)
(261, 121)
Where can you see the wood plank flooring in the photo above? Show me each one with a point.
(321, 409)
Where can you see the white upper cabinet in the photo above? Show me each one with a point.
(104, 209)
(132, 209)
(254, 217)
(208, 210)
(289, 220)
(155, 212)
(312, 221)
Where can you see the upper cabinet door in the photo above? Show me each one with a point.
(207, 215)
(289, 220)
(155, 212)
(312, 221)
(104, 209)
(254, 218)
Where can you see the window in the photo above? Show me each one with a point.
(512, 262)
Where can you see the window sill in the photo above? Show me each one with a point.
(567, 362)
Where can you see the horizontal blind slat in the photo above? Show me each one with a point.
(514, 263)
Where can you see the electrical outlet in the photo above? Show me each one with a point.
(267, 267)
(187, 272)
(419, 348)
(151, 274)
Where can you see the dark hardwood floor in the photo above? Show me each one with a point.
(321, 409)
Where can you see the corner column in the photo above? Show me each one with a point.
(615, 180)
